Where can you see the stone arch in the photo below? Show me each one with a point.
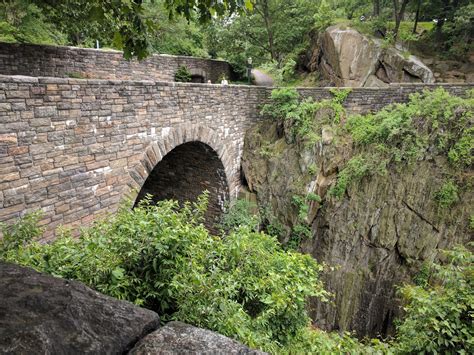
(173, 138)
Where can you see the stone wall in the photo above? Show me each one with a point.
(56, 61)
(75, 147)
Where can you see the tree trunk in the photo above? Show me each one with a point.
(417, 16)
(376, 8)
(398, 15)
(440, 23)
(268, 26)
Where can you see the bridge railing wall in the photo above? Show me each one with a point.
(71, 146)
(59, 61)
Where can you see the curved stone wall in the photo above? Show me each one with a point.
(85, 63)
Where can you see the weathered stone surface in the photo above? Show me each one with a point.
(351, 56)
(401, 69)
(181, 338)
(80, 146)
(345, 57)
(374, 82)
(377, 236)
(41, 314)
(58, 61)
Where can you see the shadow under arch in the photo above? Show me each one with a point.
(180, 165)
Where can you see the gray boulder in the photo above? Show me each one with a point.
(41, 314)
(346, 57)
(181, 338)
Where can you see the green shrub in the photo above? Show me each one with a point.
(240, 213)
(324, 17)
(461, 153)
(355, 169)
(433, 122)
(433, 118)
(249, 287)
(20, 232)
(286, 106)
(243, 285)
(283, 102)
(182, 74)
(439, 315)
(447, 195)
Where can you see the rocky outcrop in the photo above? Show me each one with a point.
(345, 57)
(451, 71)
(376, 237)
(181, 338)
(41, 314)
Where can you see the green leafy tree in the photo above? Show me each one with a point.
(273, 30)
(125, 24)
(23, 21)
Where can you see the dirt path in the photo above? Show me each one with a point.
(262, 79)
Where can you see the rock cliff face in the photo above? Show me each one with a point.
(345, 57)
(376, 237)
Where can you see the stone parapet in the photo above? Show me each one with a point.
(73, 62)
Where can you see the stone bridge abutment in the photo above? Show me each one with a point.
(75, 147)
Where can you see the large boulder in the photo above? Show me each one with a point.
(400, 68)
(345, 57)
(41, 314)
(181, 338)
(351, 56)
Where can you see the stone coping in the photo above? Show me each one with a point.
(104, 51)
(57, 80)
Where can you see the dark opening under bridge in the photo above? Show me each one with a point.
(75, 147)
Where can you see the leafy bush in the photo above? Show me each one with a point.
(461, 153)
(299, 115)
(315, 341)
(324, 17)
(439, 315)
(447, 195)
(240, 213)
(23, 230)
(283, 102)
(339, 96)
(249, 287)
(431, 122)
(182, 74)
(243, 285)
(433, 118)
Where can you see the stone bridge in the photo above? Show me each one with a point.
(76, 147)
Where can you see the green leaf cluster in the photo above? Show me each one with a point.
(182, 74)
(447, 195)
(440, 315)
(240, 213)
(431, 123)
(299, 114)
(324, 17)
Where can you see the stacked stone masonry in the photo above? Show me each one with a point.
(75, 147)
(56, 61)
